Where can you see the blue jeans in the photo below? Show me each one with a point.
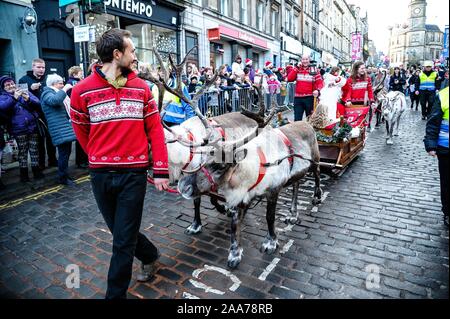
(120, 198)
(64, 151)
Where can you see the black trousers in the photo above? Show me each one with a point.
(427, 101)
(303, 105)
(80, 155)
(45, 143)
(120, 198)
(414, 99)
(443, 172)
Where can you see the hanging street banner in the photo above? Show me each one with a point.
(356, 46)
(445, 51)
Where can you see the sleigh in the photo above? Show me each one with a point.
(337, 152)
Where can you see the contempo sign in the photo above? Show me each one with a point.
(131, 6)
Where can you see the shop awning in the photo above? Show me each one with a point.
(237, 35)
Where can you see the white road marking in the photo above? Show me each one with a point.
(105, 231)
(287, 246)
(196, 273)
(187, 295)
(269, 269)
(275, 261)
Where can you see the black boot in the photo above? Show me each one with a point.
(37, 173)
(24, 175)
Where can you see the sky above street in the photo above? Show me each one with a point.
(383, 13)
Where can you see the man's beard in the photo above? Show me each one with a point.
(125, 70)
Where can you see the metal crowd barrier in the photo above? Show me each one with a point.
(232, 100)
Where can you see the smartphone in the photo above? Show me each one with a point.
(22, 86)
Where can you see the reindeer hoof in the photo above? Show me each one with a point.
(269, 246)
(291, 220)
(396, 134)
(316, 201)
(193, 229)
(234, 259)
(390, 142)
(231, 212)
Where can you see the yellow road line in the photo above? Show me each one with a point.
(38, 195)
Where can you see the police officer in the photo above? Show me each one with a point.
(436, 144)
(428, 83)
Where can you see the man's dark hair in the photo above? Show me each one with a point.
(109, 41)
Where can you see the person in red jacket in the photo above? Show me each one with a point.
(307, 88)
(358, 90)
(115, 117)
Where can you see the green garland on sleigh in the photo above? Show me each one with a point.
(341, 132)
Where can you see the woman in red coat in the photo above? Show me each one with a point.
(358, 90)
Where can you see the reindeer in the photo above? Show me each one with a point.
(276, 158)
(183, 140)
(380, 93)
(393, 106)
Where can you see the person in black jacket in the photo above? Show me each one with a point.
(35, 79)
(436, 144)
(412, 89)
(397, 81)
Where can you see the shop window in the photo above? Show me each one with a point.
(255, 60)
(101, 23)
(192, 41)
(146, 36)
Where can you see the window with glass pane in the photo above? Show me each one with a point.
(101, 23)
(259, 20)
(295, 25)
(146, 36)
(274, 22)
(244, 11)
(225, 7)
(192, 41)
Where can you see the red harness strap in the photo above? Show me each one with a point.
(218, 128)
(288, 145)
(211, 180)
(191, 153)
(262, 169)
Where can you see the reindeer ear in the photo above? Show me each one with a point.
(240, 155)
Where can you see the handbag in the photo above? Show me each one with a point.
(42, 128)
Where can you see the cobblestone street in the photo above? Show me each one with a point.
(379, 233)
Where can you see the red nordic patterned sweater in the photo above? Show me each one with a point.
(306, 83)
(355, 91)
(115, 126)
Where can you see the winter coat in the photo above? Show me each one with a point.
(433, 129)
(398, 87)
(31, 79)
(178, 110)
(59, 124)
(22, 113)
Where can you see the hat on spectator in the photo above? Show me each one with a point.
(428, 63)
(248, 61)
(3, 80)
(268, 64)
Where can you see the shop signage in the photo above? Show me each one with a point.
(217, 33)
(132, 6)
(81, 33)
